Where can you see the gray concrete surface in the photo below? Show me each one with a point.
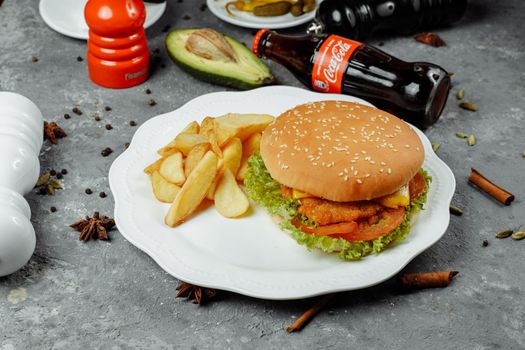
(111, 295)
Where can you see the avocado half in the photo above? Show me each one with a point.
(217, 58)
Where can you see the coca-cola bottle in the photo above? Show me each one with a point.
(416, 92)
(357, 19)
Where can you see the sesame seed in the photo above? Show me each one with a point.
(389, 171)
(359, 181)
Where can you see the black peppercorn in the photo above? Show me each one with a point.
(148, 91)
(102, 194)
(88, 191)
(53, 209)
(106, 152)
(132, 123)
(59, 176)
(108, 108)
(67, 116)
(108, 127)
(77, 111)
(63, 171)
(52, 172)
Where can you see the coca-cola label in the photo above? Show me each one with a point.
(330, 63)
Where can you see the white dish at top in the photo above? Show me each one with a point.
(67, 16)
(247, 20)
(251, 255)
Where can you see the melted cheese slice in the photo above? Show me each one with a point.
(401, 198)
(300, 194)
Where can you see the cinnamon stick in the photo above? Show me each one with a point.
(496, 192)
(439, 279)
(310, 313)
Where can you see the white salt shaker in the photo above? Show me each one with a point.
(21, 137)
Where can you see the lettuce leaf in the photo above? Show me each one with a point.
(265, 191)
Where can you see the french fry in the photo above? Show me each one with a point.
(172, 169)
(232, 155)
(249, 147)
(210, 194)
(207, 124)
(165, 152)
(194, 156)
(170, 148)
(243, 124)
(185, 142)
(164, 190)
(193, 191)
(155, 166)
(230, 200)
(209, 130)
(231, 159)
(191, 128)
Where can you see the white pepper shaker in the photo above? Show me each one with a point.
(21, 137)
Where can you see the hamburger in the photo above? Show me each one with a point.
(342, 177)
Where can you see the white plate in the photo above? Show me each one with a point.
(67, 16)
(247, 20)
(251, 255)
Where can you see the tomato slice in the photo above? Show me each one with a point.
(328, 230)
(416, 186)
(389, 220)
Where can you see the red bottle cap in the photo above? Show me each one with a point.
(257, 39)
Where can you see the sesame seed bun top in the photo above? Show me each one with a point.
(341, 151)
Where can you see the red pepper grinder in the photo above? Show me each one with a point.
(117, 51)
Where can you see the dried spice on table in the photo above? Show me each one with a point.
(95, 227)
(455, 210)
(53, 132)
(431, 39)
(469, 106)
(310, 313)
(411, 281)
(199, 295)
(504, 233)
(47, 184)
(495, 191)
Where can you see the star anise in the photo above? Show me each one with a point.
(199, 295)
(53, 132)
(431, 39)
(96, 227)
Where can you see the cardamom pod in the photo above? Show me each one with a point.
(50, 190)
(42, 180)
(55, 184)
(455, 210)
(504, 233)
(460, 94)
(468, 106)
(518, 235)
(461, 134)
(435, 147)
(471, 140)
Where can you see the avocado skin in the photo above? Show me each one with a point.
(216, 78)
